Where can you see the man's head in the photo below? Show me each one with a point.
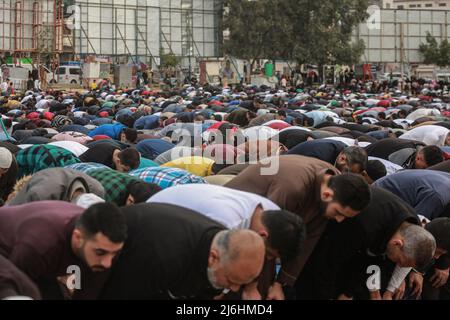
(99, 235)
(284, 233)
(128, 135)
(141, 191)
(375, 170)
(401, 114)
(447, 141)
(6, 160)
(344, 196)
(428, 156)
(440, 229)
(126, 160)
(281, 115)
(352, 159)
(236, 258)
(411, 247)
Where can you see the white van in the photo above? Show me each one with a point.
(69, 75)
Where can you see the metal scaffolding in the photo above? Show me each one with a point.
(31, 28)
(138, 30)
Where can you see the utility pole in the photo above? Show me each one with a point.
(402, 54)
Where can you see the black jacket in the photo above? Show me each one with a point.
(384, 148)
(165, 255)
(353, 240)
(325, 150)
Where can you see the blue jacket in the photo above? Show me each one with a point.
(110, 130)
(147, 123)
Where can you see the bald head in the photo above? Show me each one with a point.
(236, 258)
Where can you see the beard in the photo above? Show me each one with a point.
(80, 254)
(323, 208)
(212, 279)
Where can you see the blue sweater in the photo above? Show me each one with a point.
(110, 130)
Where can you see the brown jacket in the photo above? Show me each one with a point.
(296, 188)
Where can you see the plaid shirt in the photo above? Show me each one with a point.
(115, 183)
(87, 166)
(166, 177)
(41, 157)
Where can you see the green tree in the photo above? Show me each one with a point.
(430, 50)
(168, 60)
(309, 31)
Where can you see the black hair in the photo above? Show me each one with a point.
(432, 155)
(282, 113)
(7, 122)
(402, 112)
(106, 218)
(142, 191)
(309, 121)
(130, 157)
(130, 134)
(376, 170)
(9, 179)
(287, 232)
(356, 155)
(126, 120)
(440, 229)
(350, 190)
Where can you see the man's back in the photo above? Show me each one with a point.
(323, 149)
(427, 191)
(101, 153)
(166, 254)
(232, 208)
(36, 236)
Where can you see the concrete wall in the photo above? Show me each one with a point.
(384, 44)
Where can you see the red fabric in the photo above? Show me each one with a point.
(104, 114)
(447, 156)
(33, 116)
(384, 103)
(48, 116)
(215, 103)
(101, 137)
(279, 125)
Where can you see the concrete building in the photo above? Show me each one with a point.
(396, 37)
(417, 4)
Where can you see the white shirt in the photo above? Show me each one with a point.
(87, 200)
(391, 167)
(430, 135)
(76, 148)
(405, 123)
(232, 208)
(423, 113)
(42, 104)
(260, 133)
(350, 142)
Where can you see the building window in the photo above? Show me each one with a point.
(412, 5)
(401, 7)
(442, 4)
(428, 5)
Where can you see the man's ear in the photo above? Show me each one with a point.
(77, 237)
(214, 257)
(327, 194)
(398, 243)
(130, 200)
(264, 233)
(366, 177)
